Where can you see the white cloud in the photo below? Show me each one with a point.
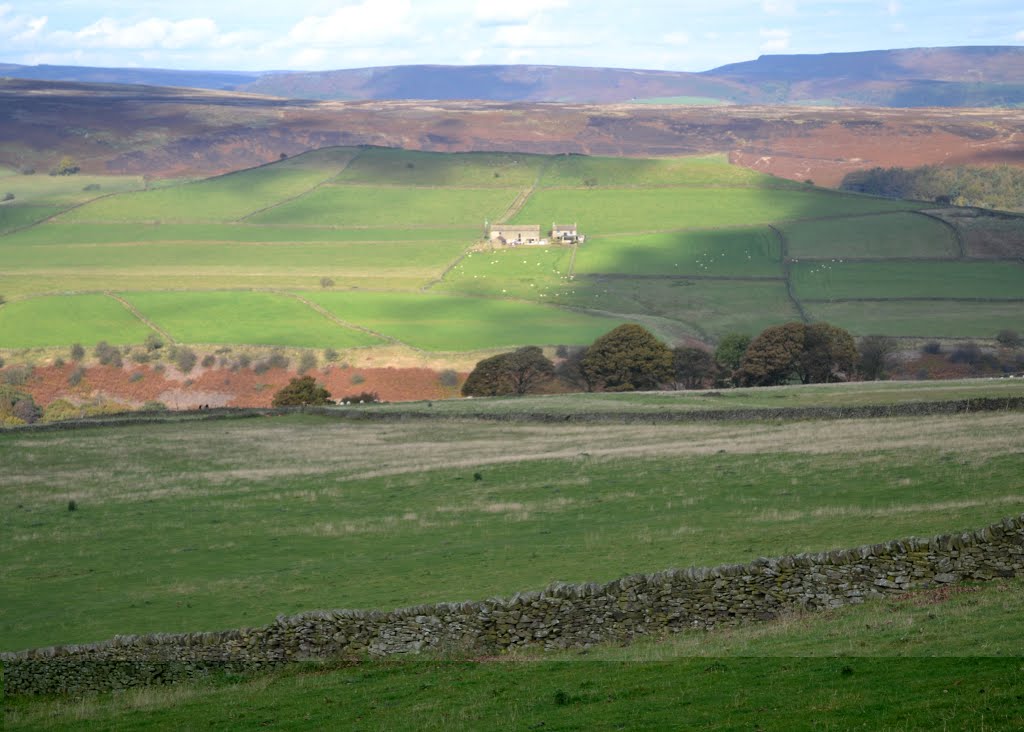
(499, 12)
(33, 26)
(19, 27)
(676, 38)
(775, 39)
(364, 24)
(779, 7)
(1019, 36)
(109, 33)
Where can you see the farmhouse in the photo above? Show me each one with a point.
(516, 235)
(566, 233)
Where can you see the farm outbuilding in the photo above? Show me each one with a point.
(516, 235)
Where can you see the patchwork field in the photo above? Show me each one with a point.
(693, 247)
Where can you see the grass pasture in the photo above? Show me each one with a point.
(898, 280)
(260, 318)
(922, 319)
(625, 210)
(531, 273)
(389, 166)
(384, 206)
(224, 198)
(454, 323)
(579, 171)
(60, 320)
(886, 236)
(749, 252)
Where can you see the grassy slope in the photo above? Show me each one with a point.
(54, 321)
(264, 517)
(395, 221)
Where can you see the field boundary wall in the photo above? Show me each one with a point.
(560, 616)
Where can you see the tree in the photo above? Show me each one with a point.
(66, 166)
(627, 358)
(301, 391)
(515, 372)
(875, 354)
(692, 366)
(771, 358)
(731, 348)
(829, 354)
(571, 372)
(812, 354)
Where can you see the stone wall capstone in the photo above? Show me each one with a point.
(560, 616)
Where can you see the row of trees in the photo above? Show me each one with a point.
(631, 358)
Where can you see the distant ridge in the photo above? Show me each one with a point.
(967, 76)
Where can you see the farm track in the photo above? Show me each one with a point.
(145, 321)
(284, 201)
(517, 205)
(957, 236)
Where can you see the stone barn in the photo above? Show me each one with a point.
(516, 235)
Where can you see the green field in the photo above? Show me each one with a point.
(57, 321)
(451, 323)
(611, 211)
(752, 252)
(925, 319)
(225, 198)
(683, 245)
(389, 166)
(896, 280)
(259, 318)
(888, 236)
(337, 205)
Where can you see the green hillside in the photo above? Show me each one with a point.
(692, 247)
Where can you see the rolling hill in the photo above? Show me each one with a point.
(968, 76)
(355, 247)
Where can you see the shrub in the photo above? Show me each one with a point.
(57, 362)
(8, 196)
(326, 282)
(139, 357)
(107, 354)
(731, 348)
(330, 355)
(3, 300)
(278, 360)
(17, 375)
(153, 342)
(184, 359)
(301, 391)
(26, 410)
(1, 362)
(244, 360)
(91, 187)
(307, 362)
(357, 379)
(448, 377)
(968, 353)
(875, 354)
(1009, 338)
(136, 376)
(692, 366)
(208, 360)
(562, 351)
(75, 377)
(931, 348)
(154, 406)
(77, 352)
(363, 397)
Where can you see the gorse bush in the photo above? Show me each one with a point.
(301, 391)
(184, 359)
(448, 377)
(107, 354)
(77, 353)
(307, 362)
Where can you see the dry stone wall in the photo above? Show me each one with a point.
(560, 616)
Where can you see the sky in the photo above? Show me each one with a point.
(676, 35)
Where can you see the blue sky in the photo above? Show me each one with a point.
(661, 34)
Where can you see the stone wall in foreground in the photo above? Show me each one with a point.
(560, 616)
